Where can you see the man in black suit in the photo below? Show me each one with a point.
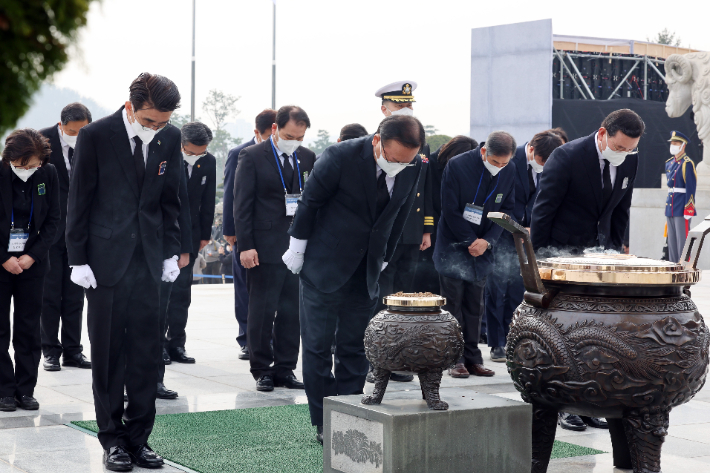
(346, 229)
(262, 132)
(269, 181)
(585, 191)
(122, 239)
(504, 288)
(63, 300)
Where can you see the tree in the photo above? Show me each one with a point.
(323, 141)
(435, 141)
(665, 37)
(35, 41)
(179, 120)
(219, 106)
(430, 130)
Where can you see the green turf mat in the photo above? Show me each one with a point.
(256, 440)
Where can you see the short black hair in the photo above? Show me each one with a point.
(500, 143)
(292, 112)
(352, 131)
(21, 145)
(154, 91)
(626, 121)
(196, 133)
(75, 112)
(544, 143)
(455, 146)
(404, 129)
(559, 131)
(265, 119)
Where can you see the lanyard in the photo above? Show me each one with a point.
(32, 209)
(479, 186)
(278, 165)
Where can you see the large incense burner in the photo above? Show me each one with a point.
(413, 335)
(612, 336)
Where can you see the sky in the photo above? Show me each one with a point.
(332, 55)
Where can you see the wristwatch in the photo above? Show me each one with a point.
(489, 244)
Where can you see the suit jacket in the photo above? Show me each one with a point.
(568, 211)
(45, 219)
(184, 220)
(435, 174)
(201, 189)
(460, 186)
(421, 215)
(107, 213)
(259, 204)
(56, 158)
(230, 171)
(337, 215)
(523, 200)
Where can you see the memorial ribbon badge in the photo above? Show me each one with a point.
(625, 183)
(41, 189)
(162, 167)
(305, 176)
(499, 198)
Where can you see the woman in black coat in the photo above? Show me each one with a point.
(29, 218)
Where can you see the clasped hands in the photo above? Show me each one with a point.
(16, 265)
(478, 247)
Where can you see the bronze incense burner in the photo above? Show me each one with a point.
(612, 336)
(413, 335)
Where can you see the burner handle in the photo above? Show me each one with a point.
(693, 245)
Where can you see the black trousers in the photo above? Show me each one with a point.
(241, 298)
(273, 311)
(399, 273)
(166, 289)
(177, 305)
(63, 300)
(124, 329)
(465, 301)
(349, 309)
(26, 295)
(212, 269)
(426, 278)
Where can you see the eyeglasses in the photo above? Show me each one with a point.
(156, 127)
(384, 155)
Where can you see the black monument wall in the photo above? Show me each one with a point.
(582, 117)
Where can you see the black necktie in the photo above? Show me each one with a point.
(383, 194)
(139, 161)
(187, 171)
(71, 156)
(531, 180)
(288, 172)
(606, 180)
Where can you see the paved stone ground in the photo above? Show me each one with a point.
(39, 442)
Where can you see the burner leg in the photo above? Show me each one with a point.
(382, 377)
(430, 382)
(544, 426)
(646, 430)
(622, 456)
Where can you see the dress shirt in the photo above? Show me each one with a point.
(612, 168)
(535, 175)
(131, 134)
(189, 169)
(388, 180)
(65, 150)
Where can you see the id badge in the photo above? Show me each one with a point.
(18, 240)
(292, 204)
(473, 213)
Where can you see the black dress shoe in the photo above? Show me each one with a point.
(595, 422)
(144, 457)
(178, 354)
(498, 354)
(166, 357)
(117, 459)
(289, 382)
(402, 378)
(165, 393)
(27, 403)
(244, 354)
(319, 434)
(483, 339)
(7, 404)
(571, 422)
(77, 361)
(51, 363)
(265, 383)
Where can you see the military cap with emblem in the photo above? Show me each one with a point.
(678, 136)
(400, 91)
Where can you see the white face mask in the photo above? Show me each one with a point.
(190, 159)
(406, 111)
(145, 134)
(615, 158)
(70, 140)
(257, 138)
(389, 168)
(533, 164)
(23, 174)
(287, 146)
(494, 170)
(675, 149)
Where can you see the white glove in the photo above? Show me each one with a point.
(170, 269)
(688, 217)
(293, 261)
(83, 276)
(384, 265)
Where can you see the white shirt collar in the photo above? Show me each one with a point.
(596, 143)
(131, 132)
(61, 138)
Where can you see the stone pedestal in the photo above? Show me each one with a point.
(479, 433)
